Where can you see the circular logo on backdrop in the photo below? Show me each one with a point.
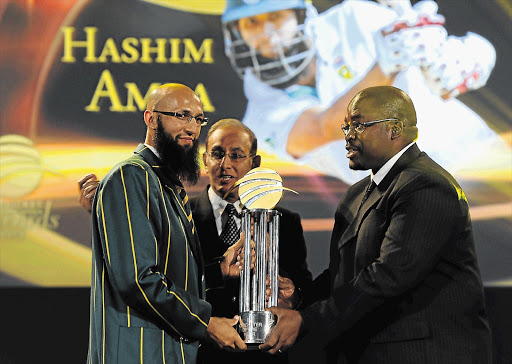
(20, 166)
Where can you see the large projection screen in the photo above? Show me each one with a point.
(75, 75)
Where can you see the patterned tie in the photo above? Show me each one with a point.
(230, 233)
(368, 192)
(184, 201)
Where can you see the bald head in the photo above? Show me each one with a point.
(169, 91)
(177, 98)
(389, 124)
(173, 128)
(383, 102)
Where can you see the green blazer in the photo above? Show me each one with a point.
(147, 293)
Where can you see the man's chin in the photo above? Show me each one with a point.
(355, 166)
(225, 188)
(186, 145)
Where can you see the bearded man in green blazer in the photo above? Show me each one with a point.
(147, 293)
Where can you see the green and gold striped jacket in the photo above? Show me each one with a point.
(147, 292)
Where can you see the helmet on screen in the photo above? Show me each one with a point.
(292, 49)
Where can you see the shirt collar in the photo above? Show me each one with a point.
(383, 171)
(218, 204)
(151, 148)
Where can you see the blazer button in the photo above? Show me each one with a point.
(233, 299)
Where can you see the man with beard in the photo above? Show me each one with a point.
(148, 289)
(231, 152)
(405, 284)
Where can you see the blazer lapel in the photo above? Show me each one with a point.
(169, 182)
(203, 215)
(352, 229)
(358, 211)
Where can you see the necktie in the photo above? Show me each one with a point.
(230, 233)
(184, 202)
(368, 192)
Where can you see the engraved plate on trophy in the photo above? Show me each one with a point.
(260, 190)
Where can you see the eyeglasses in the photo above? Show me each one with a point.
(359, 127)
(218, 155)
(199, 120)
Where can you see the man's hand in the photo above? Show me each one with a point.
(233, 259)
(286, 297)
(87, 187)
(221, 331)
(412, 38)
(461, 64)
(286, 331)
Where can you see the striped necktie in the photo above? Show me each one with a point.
(230, 233)
(185, 202)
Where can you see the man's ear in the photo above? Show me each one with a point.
(256, 161)
(396, 129)
(150, 120)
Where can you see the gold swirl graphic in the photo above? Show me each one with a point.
(260, 188)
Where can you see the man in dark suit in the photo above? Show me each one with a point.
(231, 152)
(147, 294)
(405, 284)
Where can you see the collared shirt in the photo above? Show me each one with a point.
(218, 206)
(383, 171)
(153, 150)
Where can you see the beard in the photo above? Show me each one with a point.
(184, 161)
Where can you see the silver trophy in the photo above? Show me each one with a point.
(260, 190)
(256, 323)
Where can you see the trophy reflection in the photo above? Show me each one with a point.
(260, 190)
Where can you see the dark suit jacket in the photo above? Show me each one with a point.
(405, 283)
(147, 294)
(224, 295)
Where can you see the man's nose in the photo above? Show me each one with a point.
(350, 135)
(225, 162)
(192, 127)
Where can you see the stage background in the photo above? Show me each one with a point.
(67, 112)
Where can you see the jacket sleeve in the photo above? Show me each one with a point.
(136, 236)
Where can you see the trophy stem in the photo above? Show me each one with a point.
(256, 323)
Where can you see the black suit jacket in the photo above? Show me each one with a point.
(223, 296)
(405, 284)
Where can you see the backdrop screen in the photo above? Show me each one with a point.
(75, 76)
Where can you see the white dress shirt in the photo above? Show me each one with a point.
(383, 171)
(218, 206)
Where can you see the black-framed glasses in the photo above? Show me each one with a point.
(199, 119)
(359, 127)
(218, 155)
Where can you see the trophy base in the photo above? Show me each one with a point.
(255, 326)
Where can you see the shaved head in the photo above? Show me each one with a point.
(161, 96)
(381, 102)
(392, 126)
(174, 137)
